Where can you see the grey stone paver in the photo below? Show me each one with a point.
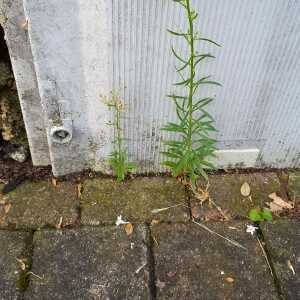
(225, 191)
(193, 264)
(105, 199)
(12, 248)
(283, 241)
(37, 204)
(89, 263)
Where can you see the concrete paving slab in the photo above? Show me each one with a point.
(13, 246)
(225, 191)
(38, 204)
(283, 241)
(89, 263)
(105, 199)
(191, 263)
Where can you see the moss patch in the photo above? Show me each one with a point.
(34, 205)
(105, 199)
(13, 245)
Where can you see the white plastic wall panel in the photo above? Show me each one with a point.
(83, 48)
(258, 65)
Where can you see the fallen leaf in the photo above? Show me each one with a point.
(229, 279)
(59, 225)
(79, 190)
(290, 266)
(22, 264)
(274, 207)
(7, 207)
(54, 181)
(245, 189)
(278, 203)
(202, 195)
(154, 222)
(128, 228)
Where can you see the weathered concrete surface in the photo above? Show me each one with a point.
(89, 263)
(283, 241)
(194, 264)
(34, 205)
(105, 199)
(225, 191)
(16, 34)
(294, 186)
(12, 248)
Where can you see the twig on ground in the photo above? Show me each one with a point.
(265, 255)
(158, 210)
(37, 276)
(140, 268)
(221, 236)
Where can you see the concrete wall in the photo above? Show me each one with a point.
(82, 48)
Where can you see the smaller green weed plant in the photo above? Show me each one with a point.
(118, 159)
(260, 215)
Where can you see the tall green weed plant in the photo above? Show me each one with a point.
(189, 155)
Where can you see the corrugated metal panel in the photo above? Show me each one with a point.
(258, 66)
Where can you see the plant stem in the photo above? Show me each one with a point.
(192, 73)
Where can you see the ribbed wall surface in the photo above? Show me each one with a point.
(258, 65)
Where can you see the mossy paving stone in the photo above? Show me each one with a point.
(283, 241)
(38, 204)
(294, 186)
(225, 191)
(191, 263)
(13, 245)
(89, 263)
(105, 199)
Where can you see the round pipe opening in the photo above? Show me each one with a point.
(60, 135)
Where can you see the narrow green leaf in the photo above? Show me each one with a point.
(210, 41)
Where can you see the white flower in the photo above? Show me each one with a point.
(120, 221)
(251, 229)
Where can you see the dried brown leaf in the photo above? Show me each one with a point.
(154, 222)
(280, 202)
(274, 207)
(22, 264)
(79, 190)
(128, 228)
(290, 266)
(245, 189)
(60, 223)
(54, 181)
(7, 207)
(229, 279)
